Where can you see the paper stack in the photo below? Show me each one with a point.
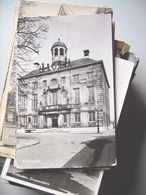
(64, 91)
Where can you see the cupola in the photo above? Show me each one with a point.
(59, 52)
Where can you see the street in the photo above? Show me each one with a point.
(59, 149)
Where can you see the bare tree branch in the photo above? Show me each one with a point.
(30, 33)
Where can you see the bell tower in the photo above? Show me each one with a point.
(59, 52)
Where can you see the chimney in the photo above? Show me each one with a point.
(36, 66)
(86, 53)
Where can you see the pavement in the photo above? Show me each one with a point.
(33, 140)
(65, 149)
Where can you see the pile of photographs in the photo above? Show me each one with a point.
(65, 87)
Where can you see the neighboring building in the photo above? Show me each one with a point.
(65, 93)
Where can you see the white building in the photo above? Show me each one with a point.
(64, 93)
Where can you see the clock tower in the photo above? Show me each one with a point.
(59, 54)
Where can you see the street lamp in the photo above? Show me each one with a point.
(98, 122)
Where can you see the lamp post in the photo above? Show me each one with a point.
(98, 122)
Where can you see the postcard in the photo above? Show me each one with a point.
(44, 8)
(122, 81)
(7, 151)
(65, 94)
(58, 182)
(9, 55)
(2, 161)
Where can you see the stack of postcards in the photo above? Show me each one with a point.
(64, 91)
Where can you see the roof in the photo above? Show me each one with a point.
(58, 43)
(82, 62)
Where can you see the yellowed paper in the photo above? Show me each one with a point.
(43, 8)
(6, 85)
(8, 152)
(4, 150)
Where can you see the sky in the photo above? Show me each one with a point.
(92, 32)
(79, 33)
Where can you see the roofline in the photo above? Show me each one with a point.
(60, 70)
(69, 68)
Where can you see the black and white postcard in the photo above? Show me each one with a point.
(58, 182)
(64, 96)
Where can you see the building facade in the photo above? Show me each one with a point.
(64, 93)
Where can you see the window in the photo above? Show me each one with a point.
(45, 99)
(64, 94)
(92, 116)
(90, 75)
(63, 80)
(35, 119)
(61, 51)
(91, 94)
(77, 95)
(35, 101)
(54, 95)
(65, 118)
(44, 83)
(24, 102)
(76, 78)
(56, 51)
(35, 85)
(77, 117)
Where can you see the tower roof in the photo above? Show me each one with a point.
(58, 43)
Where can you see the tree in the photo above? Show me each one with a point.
(30, 32)
(29, 35)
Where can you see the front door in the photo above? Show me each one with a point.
(54, 122)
